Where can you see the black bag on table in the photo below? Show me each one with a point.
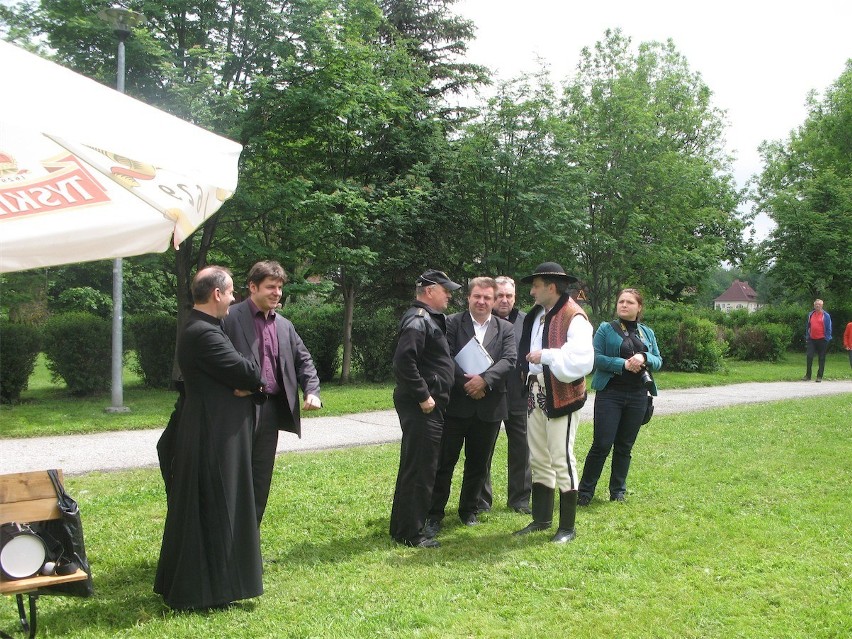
(64, 539)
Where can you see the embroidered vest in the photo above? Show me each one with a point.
(562, 398)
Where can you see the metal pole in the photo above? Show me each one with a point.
(118, 283)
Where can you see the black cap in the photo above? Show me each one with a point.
(549, 269)
(437, 277)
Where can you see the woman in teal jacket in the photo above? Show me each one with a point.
(623, 357)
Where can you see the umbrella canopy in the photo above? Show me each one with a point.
(87, 173)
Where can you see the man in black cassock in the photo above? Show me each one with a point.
(210, 554)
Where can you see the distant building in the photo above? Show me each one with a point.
(739, 295)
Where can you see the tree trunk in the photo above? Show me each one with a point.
(348, 313)
(184, 262)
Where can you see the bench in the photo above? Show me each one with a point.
(26, 498)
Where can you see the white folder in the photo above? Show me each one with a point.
(473, 358)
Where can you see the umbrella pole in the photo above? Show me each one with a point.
(117, 338)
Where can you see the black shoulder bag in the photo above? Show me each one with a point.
(67, 531)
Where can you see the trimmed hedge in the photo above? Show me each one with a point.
(78, 347)
(321, 328)
(790, 315)
(19, 348)
(374, 341)
(691, 344)
(154, 341)
(689, 338)
(764, 342)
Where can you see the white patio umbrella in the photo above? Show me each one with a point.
(87, 173)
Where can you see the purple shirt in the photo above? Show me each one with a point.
(267, 340)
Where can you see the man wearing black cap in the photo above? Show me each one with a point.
(423, 369)
(478, 402)
(555, 354)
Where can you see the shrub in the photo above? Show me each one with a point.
(761, 342)
(790, 315)
(691, 344)
(154, 341)
(78, 347)
(665, 311)
(374, 341)
(321, 328)
(19, 347)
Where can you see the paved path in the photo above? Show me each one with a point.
(120, 450)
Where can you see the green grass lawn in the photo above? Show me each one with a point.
(47, 409)
(736, 524)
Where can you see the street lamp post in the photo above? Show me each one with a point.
(122, 22)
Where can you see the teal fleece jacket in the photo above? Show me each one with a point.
(608, 360)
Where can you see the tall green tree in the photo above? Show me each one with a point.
(659, 202)
(437, 40)
(511, 184)
(806, 188)
(338, 141)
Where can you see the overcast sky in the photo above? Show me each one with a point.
(759, 58)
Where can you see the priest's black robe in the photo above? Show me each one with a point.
(210, 555)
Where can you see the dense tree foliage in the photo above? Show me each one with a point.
(361, 166)
(659, 203)
(806, 188)
(511, 185)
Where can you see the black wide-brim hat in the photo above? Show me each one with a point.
(549, 269)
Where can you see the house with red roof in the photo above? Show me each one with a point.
(739, 295)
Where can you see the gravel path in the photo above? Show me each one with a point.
(120, 450)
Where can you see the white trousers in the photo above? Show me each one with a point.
(551, 442)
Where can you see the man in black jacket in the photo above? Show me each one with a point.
(477, 402)
(519, 478)
(423, 369)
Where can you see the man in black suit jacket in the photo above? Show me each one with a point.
(477, 403)
(271, 340)
(519, 477)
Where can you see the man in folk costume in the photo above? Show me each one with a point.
(555, 355)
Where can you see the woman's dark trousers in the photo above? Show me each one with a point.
(618, 417)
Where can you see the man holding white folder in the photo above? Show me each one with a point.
(484, 350)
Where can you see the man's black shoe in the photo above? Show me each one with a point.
(806, 378)
(563, 536)
(431, 528)
(618, 497)
(584, 500)
(419, 542)
(523, 509)
(428, 543)
(535, 526)
(470, 520)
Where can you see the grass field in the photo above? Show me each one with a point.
(47, 409)
(736, 524)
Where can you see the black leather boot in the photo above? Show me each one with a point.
(542, 510)
(567, 515)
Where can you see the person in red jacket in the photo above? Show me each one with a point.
(847, 341)
(817, 337)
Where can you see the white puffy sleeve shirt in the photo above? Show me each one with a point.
(575, 359)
